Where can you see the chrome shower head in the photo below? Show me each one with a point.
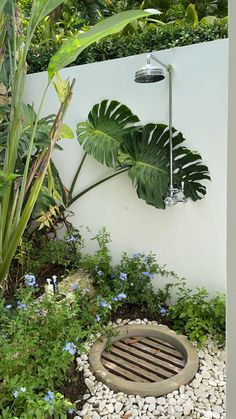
(149, 74)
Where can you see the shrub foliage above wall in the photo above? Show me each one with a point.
(154, 38)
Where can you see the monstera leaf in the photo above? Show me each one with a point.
(146, 152)
(102, 134)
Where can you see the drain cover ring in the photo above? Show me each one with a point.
(144, 359)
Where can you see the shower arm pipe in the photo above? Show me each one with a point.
(169, 69)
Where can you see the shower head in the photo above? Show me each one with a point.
(149, 74)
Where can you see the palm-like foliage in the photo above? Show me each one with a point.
(143, 152)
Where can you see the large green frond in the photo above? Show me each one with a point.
(103, 133)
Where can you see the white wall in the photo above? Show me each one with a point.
(191, 238)
(231, 224)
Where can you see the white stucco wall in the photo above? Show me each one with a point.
(191, 238)
(231, 224)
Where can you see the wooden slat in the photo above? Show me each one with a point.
(158, 359)
(145, 365)
(157, 352)
(113, 368)
(131, 367)
(163, 349)
(163, 342)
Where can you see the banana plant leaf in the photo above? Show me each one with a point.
(73, 46)
(102, 134)
(40, 9)
(146, 152)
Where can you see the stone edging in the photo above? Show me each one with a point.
(182, 344)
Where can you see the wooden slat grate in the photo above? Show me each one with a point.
(143, 359)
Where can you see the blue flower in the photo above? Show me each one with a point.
(105, 304)
(8, 306)
(137, 255)
(97, 318)
(119, 297)
(70, 347)
(15, 393)
(100, 273)
(30, 280)
(21, 305)
(123, 276)
(71, 239)
(162, 311)
(49, 397)
(23, 389)
(71, 410)
(151, 276)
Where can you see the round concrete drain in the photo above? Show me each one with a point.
(144, 359)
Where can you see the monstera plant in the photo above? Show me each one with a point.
(112, 136)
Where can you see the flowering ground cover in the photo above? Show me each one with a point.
(41, 334)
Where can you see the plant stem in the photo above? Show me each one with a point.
(72, 200)
(29, 155)
(76, 176)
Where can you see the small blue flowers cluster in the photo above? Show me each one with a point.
(30, 280)
(8, 306)
(71, 239)
(49, 397)
(162, 310)
(21, 305)
(100, 273)
(151, 276)
(105, 304)
(97, 318)
(123, 276)
(119, 297)
(71, 410)
(17, 392)
(70, 347)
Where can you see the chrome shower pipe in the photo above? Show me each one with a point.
(169, 69)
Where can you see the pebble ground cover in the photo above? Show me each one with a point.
(204, 397)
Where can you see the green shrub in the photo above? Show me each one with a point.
(38, 342)
(153, 38)
(198, 316)
(130, 281)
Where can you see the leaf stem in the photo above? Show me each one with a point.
(76, 176)
(72, 200)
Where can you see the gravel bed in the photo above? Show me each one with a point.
(204, 397)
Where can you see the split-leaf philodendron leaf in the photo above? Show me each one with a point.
(110, 138)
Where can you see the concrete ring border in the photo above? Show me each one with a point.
(181, 343)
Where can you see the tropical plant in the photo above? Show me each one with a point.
(142, 151)
(19, 189)
(152, 38)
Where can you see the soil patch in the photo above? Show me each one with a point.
(74, 387)
(133, 312)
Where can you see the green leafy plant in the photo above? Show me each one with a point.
(198, 316)
(39, 339)
(152, 38)
(129, 282)
(20, 195)
(143, 152)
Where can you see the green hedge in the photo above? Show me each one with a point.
(152, 39)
